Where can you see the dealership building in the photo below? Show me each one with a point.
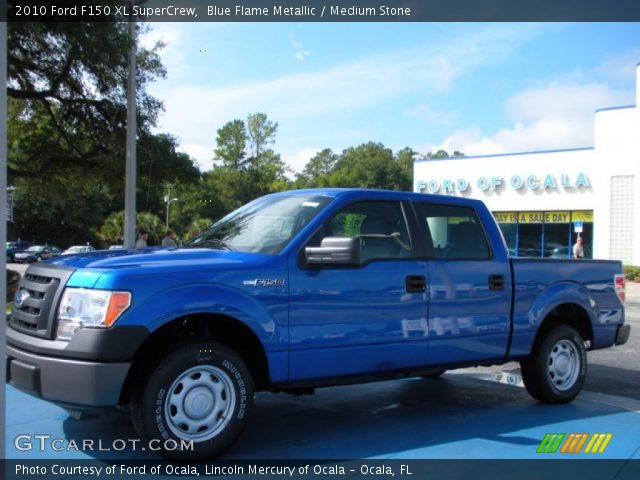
(543, 200)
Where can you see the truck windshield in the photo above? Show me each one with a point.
(265, 225)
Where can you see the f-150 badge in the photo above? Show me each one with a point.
(264, 282)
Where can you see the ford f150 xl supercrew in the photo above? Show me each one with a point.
(298, 290)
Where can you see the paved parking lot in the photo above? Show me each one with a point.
(480, 413)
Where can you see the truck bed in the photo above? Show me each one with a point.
(542, 285)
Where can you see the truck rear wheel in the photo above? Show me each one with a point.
(557, 367)
(194, 403)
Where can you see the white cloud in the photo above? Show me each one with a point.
(297, 159)
(194, 112)
(554, 116)
(173, 56)
(302, 54)
(202, 153)
(425, 112)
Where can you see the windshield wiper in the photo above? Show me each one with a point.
(212, 242)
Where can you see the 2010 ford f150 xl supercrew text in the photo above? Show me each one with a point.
(299, 290)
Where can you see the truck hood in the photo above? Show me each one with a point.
(150, 257)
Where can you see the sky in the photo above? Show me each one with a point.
(477, 88)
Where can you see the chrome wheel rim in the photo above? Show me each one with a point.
(564, 364)
(200, 403)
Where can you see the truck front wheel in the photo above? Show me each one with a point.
(557, 367)
(194, 403)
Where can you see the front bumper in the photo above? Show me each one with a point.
(622, 334)
(66, 381)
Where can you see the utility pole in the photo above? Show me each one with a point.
(130, 175)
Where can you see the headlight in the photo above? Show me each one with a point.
(83, 307)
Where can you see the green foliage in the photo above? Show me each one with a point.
(231, 145)
(60, 212)
(260, 132)
(240, 179)
(195, 227)
(112, 230)
(66, 130)
(321, 165)
(68, 83)
(370, 165)
(353, 224)
(632, 273)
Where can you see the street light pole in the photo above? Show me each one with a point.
(169, 201)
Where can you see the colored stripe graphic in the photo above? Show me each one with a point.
(550, 443)
(574, 443)
(598, 443)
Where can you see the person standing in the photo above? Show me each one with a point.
(142, 239)
(578, 251)
(168, 240)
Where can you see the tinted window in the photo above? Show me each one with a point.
(455, 232)
(380, 226)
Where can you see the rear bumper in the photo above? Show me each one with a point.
(622, 334)
(66, 381)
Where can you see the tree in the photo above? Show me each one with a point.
(240, 179)
(231, 144)
(112, 230)
(369, 165)
(68, 80)
(159, 163)
(320, 165)
(260, 132)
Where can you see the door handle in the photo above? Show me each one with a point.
(416, 283)
(496, 282)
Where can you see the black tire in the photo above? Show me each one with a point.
(200, 392)
(557, 367)
(38, 259)
(435, 373)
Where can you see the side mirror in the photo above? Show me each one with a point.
(339, 251)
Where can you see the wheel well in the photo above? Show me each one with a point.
(227, 330)
(567, 314)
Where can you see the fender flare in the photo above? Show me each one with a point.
(168, 305)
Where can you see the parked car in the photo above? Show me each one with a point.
(115, 247)
(78, 249)
(15, 247)
(299, 290)
(36, 253)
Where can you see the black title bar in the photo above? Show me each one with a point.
(323, 10)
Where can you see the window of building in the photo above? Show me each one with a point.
(549, 234)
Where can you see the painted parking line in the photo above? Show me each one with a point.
(457, 416)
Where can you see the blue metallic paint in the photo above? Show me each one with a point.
(539, 290)
(335, 322)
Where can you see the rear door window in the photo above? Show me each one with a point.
(454, 231)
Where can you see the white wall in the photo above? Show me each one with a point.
(616, 152)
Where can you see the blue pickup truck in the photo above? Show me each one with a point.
(299, 290)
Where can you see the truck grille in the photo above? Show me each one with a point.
(40, 288)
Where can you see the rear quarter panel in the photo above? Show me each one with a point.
(540, 285)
